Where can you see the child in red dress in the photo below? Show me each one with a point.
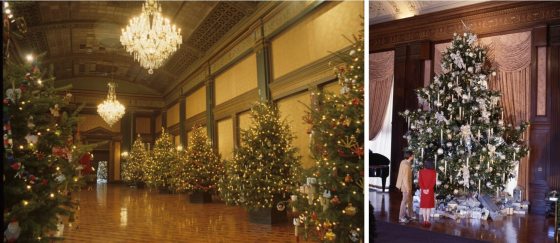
(426, 182)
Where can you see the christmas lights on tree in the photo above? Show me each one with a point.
(133, 166)
(203, 167)
(163, 160)
(266, 166)
(42, 161)
(329, 204)
(462, 126)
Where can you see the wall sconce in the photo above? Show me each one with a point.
(124, 154)
(180, 148)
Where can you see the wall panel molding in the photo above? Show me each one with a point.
(311, 75)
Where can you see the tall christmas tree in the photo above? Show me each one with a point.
(203, 168)
(266, 165)
(163, 160)
(330, 204)
(133, 166)
(462, 127)
(41, 159)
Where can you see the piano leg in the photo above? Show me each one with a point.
(383, 181)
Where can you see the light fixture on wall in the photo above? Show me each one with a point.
(111, 110)
(150, 37)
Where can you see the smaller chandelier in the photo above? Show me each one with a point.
(111, 110)
(150, 37)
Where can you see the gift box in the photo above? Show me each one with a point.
(485, 214)
(519, 211)
(476, 215)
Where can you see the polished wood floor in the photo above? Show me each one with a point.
(512, 229)
(115, 213)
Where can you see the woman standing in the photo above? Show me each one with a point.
(426, 182)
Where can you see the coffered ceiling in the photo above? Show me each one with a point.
(81, 40)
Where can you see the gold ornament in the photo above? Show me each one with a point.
(330, 236)
(350, 210)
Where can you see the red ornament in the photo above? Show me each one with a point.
(358, 151)
(6, 101)
(356, 101)
(348, 178)
(57, 151)
(45, 182)
(32, 177)
(23, 88)
(16, 166)
(341, 153)
(335, 200)
(314, 216)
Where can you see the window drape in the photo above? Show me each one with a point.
(381, 74)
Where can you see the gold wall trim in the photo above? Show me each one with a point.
(198, 119)
(312, 75)
(238, 104)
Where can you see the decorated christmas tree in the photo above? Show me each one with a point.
(133, 166)
(162, 162)
(461, 125)
(266, 166)
(329, 205)
(203, 168)
(42, 162)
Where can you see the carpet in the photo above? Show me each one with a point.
(396, 233)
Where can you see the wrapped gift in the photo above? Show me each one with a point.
(485, 214)
(464, 213)
(462, 207)
(452, 204)
(520, 211)
(449, 215)
(476, 214)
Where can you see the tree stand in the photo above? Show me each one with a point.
(267, 216)
(200, 197)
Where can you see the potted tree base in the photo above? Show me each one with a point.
(267, 216)
(138, 185)
(200, 197)
(164, 190)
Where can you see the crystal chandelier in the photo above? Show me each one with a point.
(150, 38)
(111, 110)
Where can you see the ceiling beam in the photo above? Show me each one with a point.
(108, 57)
(118, 78)
(65, 24)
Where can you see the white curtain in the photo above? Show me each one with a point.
(381, 144)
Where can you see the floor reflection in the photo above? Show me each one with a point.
(515, 228)
(114, 213)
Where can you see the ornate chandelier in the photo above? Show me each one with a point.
(150, 38)
(111, 110)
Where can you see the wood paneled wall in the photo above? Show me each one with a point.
(409, 60)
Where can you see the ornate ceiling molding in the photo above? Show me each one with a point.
(483, 18)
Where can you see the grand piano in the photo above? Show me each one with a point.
(379, 167)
